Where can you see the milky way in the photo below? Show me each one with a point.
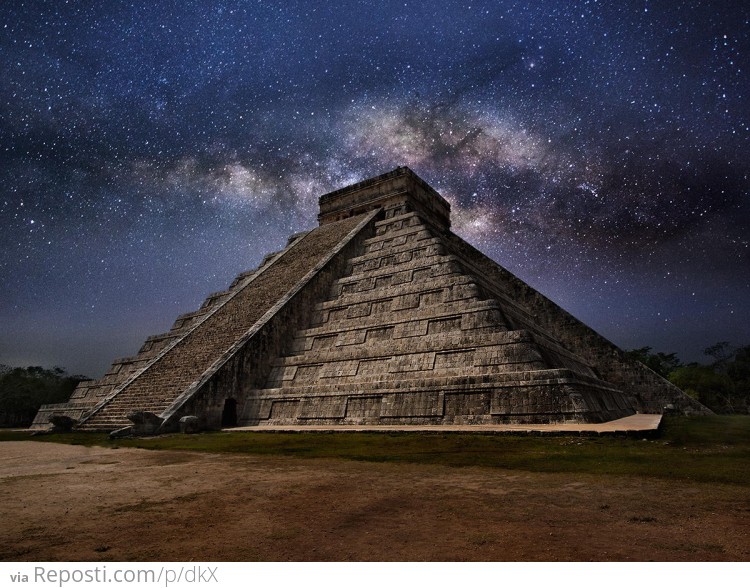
(151, 150)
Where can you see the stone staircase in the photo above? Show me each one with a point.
(89, 393)
(172, 362)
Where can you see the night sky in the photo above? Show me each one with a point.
(150, 151)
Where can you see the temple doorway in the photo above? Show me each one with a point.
(229, 415)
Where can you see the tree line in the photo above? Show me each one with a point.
(723, 384)
(24, 390)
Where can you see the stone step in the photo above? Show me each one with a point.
(416, 321)
(407, 246)
(443, 401)
(421, 268)
(189, 318)
(398, 221)
(388, 283)
(215, 298)
(404, 224)
(372, 372)
(385, 340)
(480, 382)
(452, 286)
(412, 237)
(154, 344)
(392, 261)
(380, 383)
(399, 309)
(241, 278)
(447, 341)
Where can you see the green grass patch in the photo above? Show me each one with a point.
(13, 435)
(707, 431)
(702, 449)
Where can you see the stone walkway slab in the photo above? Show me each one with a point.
(646, 424)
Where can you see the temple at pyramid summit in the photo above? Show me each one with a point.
(379, 316)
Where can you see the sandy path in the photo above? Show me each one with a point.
(60, 502)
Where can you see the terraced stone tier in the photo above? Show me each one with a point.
(69, 409)
(553, 396)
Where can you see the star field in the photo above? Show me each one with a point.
(150, 151)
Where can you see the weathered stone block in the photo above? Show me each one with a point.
(144, 422)
(62, 423)
(190, 424)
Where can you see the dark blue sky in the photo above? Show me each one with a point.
(150, 151)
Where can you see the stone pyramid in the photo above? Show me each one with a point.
(380, 315)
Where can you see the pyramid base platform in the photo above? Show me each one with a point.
(645, 425)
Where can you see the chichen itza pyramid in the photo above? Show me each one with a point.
(380, 315)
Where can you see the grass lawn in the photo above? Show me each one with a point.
(713, 449)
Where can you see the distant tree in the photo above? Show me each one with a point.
(724, 385)
(662, 363)
(708, 387)
(722, 352)
(24, 390)
(739, 369)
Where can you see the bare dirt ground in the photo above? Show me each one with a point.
(62, 502)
